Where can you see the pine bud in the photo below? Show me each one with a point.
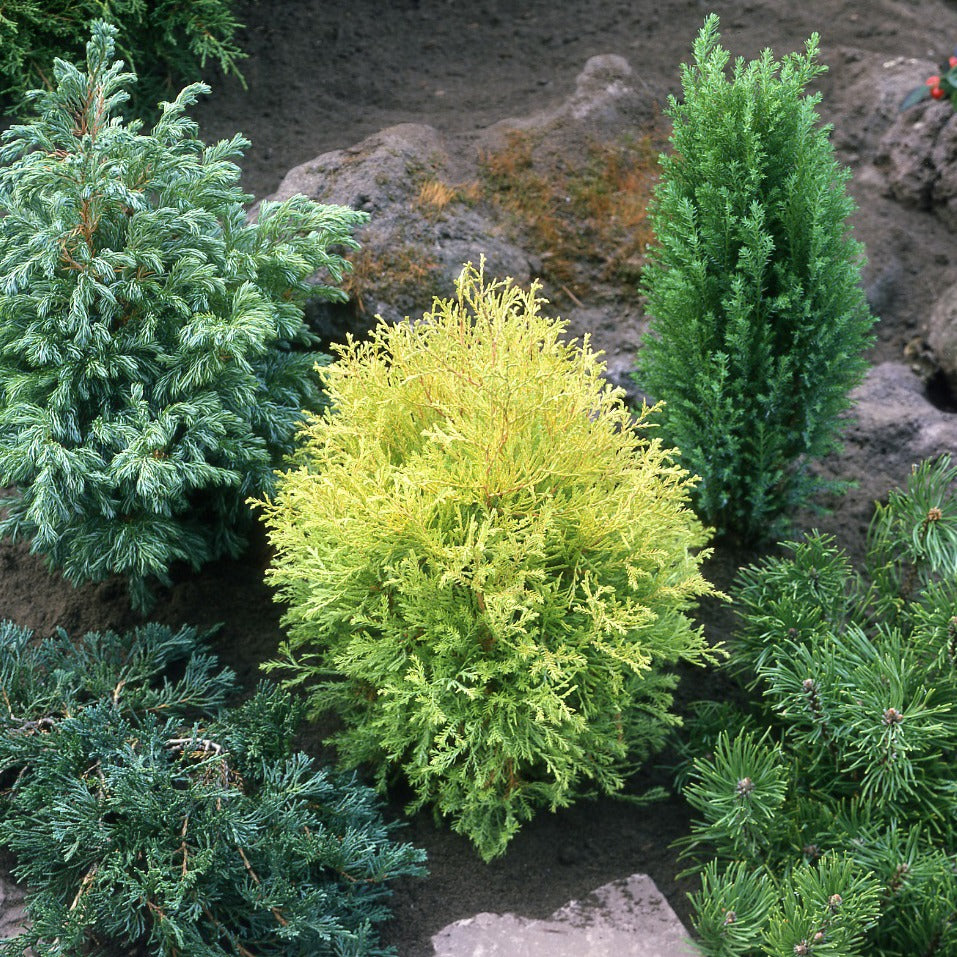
(892, 716)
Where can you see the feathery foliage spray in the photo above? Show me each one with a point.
(487, 563)
(154, 362)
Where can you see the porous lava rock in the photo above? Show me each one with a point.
(428, 216)
(917, 154)
(941, 338)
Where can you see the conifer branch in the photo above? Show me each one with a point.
(122, 842)
(153, 344)
(859, 702)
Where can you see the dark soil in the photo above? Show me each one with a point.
(323, 74)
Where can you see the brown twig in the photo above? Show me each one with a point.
(84, 884)
(40, 724)
(182, 844)
(244, 952)
(273, 910)
(202, 744)
(571, 295)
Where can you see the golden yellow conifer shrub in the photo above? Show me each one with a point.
(487, 562)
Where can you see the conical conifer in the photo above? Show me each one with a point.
(154, 361)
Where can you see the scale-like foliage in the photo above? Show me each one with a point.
(486, 562)
(147, 817)
(758, 319)
(842, 777)
(154, 362)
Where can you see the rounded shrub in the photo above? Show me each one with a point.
(154, 360)
(487, 563)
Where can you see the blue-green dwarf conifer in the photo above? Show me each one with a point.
(154, 360)
(146, 815)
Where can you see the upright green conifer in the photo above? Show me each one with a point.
(758, 319)
(154, 361)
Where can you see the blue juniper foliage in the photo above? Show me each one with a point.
(147, 816)
(154, 361)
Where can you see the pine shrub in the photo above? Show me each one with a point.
(487, 563)
(829, 809)
(160, 40)
(758, 321)
(146, 816)
(154, 360)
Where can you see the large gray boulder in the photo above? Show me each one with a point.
(428, 216)
(916, 154)
(413, 247)
(865, 104)
(894, 427)
(941, 338)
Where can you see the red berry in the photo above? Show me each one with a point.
(952, 62)
(937, 93)
(932, 81)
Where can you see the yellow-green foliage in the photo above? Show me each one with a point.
(486, 562)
